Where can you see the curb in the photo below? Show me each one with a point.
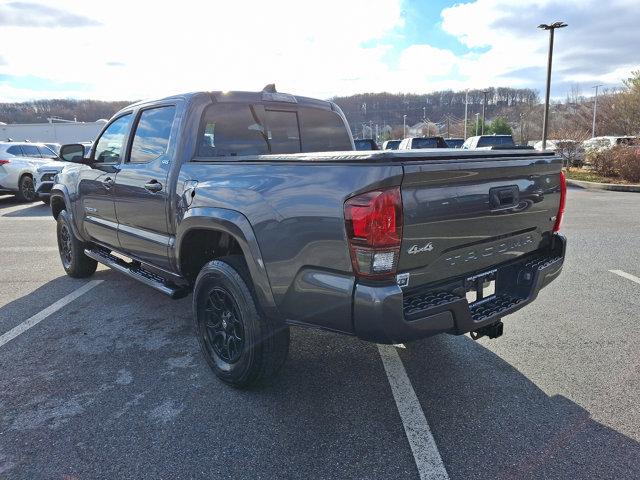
(603, 186)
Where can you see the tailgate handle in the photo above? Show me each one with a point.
(501, 197)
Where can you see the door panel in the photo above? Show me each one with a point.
(96, 183)
(141, 190)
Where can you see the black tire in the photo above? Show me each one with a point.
(241, 345)
(26, 189)
(74, 261)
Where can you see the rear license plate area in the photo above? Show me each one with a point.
(480, 287)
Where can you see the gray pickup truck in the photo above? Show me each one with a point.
(258, 204)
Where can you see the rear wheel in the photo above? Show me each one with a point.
(241, 345)
(26, 189)
(74, 261)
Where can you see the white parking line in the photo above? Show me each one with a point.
(54, 307)
(27, 249)
(626, 275)
(23, 206)
(423, 446)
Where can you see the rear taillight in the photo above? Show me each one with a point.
(4, 162)
(563, 200)
(374, 230)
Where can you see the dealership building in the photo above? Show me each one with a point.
(67, 132)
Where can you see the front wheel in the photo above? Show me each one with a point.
(26, 189)
(241, 345)
(74, 261)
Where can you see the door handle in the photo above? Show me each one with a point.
(153, 186)
(108, 182)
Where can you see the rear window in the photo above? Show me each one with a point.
(497, 140)
(323, 131)
(283, 131)
(425, 143)
(233, 129)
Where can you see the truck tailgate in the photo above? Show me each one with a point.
(463, 216)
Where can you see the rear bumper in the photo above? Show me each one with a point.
(385, 314)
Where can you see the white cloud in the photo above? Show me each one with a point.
(134, 49)
(599, 45)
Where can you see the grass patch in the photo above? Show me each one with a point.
(590, 176)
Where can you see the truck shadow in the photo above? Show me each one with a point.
(490, 421)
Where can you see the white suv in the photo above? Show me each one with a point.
(18, 164)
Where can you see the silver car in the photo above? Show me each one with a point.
(18, 164)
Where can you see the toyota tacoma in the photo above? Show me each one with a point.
(258, 205)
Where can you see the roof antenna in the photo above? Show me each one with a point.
(271, 88)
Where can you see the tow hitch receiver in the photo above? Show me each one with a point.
(492, 331)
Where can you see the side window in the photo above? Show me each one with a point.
(283, 131)
(46, 152)
(110, 144)
(15, 150)
(152, 134)
(30, 151)
(323, 131)
(231, 129)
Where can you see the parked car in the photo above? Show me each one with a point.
(571, 151)
(454, 142)
(484, 141)
(18, 164)
(609, 141)
(366, 144)
(416, 143)
(46, 174)
(217, 194)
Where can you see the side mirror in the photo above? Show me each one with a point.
(72, 152)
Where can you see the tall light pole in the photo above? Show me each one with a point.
(404, 126)
(595, 109)
(545, 121)
(466, 109)
(477, 116)
(484, 104)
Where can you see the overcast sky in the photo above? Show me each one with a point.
(131, 49)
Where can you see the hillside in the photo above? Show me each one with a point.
(37, 111)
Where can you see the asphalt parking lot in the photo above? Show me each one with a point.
(111, 384)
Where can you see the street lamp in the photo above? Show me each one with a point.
(404, 126)
(595, 109)
(466, 105)
(545, 121)
(484, 104)
(477, 116)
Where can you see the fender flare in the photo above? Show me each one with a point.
(237, 226)
(60, 191)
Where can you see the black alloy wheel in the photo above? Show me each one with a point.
(224, 327)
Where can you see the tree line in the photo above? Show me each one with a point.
(38, 111)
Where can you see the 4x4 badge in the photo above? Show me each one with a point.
(416, 249)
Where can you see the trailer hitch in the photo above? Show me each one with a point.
(492, 331)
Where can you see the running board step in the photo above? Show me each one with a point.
(134, 271)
